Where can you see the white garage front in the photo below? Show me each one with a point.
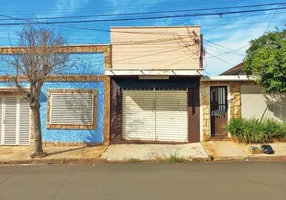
(155, 115)
(14, 121)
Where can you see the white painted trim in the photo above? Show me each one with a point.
(30, 112)
(168, 72)
(201, 116)
(227, 78)
(210, 119)
(151, 27)
(2, 122)
(228, 106)
(17, 120)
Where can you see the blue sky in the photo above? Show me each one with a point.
(228, 32)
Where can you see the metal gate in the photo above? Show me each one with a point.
(155, 115)
(218, 107)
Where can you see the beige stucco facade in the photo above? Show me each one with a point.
(156, 48)
(254, 104)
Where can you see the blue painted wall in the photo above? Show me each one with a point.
(85, 63)
(79, 64)
(60, 135)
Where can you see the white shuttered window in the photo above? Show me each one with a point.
(72, 108)
(14, 121)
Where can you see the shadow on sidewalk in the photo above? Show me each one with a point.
(68, 150)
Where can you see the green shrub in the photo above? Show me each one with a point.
(254, 131)
(174, 159)
(133, 160)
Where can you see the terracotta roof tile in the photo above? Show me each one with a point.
(235, 68)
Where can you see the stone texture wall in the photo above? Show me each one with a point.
(106, 49)
(234, 103)
(106, 114)
(82, 74)
(205, 105)
(70, 134)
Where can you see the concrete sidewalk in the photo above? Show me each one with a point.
(228, 150)
(146, 152)
(56, 155)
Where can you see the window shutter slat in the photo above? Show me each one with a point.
(72, 108)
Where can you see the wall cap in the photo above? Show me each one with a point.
(228, 78)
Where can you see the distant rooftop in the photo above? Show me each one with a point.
(235, 69)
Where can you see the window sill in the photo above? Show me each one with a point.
(74, 127)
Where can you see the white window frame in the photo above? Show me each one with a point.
(70, 93)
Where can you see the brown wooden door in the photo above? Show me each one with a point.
(218, 108)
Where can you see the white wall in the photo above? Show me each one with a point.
(254, 104)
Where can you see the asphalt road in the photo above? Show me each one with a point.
(215, 181)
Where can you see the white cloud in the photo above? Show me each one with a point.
(69, 4)
(64, 7)
(234, 36)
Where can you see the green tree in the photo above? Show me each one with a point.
(266, 60)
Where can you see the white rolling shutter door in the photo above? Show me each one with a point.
(138, 115)
(171, 116)
(155, 115)
(10, 133)
(24, 123)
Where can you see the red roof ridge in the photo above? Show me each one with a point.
(236, 67)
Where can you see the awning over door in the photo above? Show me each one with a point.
(155, 115)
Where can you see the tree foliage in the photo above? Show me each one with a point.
(266, 60)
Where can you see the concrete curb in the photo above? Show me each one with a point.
(103, 161)
(53, 161)
(86, 161)
(252, 158)
(199, 159)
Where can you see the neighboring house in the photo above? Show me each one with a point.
(232, 95)
(155, 79)
(236, 70)
(254, 104)
(72, 109)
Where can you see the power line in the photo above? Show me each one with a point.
(224, 52)
(141, 33)
(146, 13)
(274, 16)
(205, 17)
(220, 59)
(152, 54)
(146, 18)
(177, 62)
(125, 7)
(217, 44)
(227, 52)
